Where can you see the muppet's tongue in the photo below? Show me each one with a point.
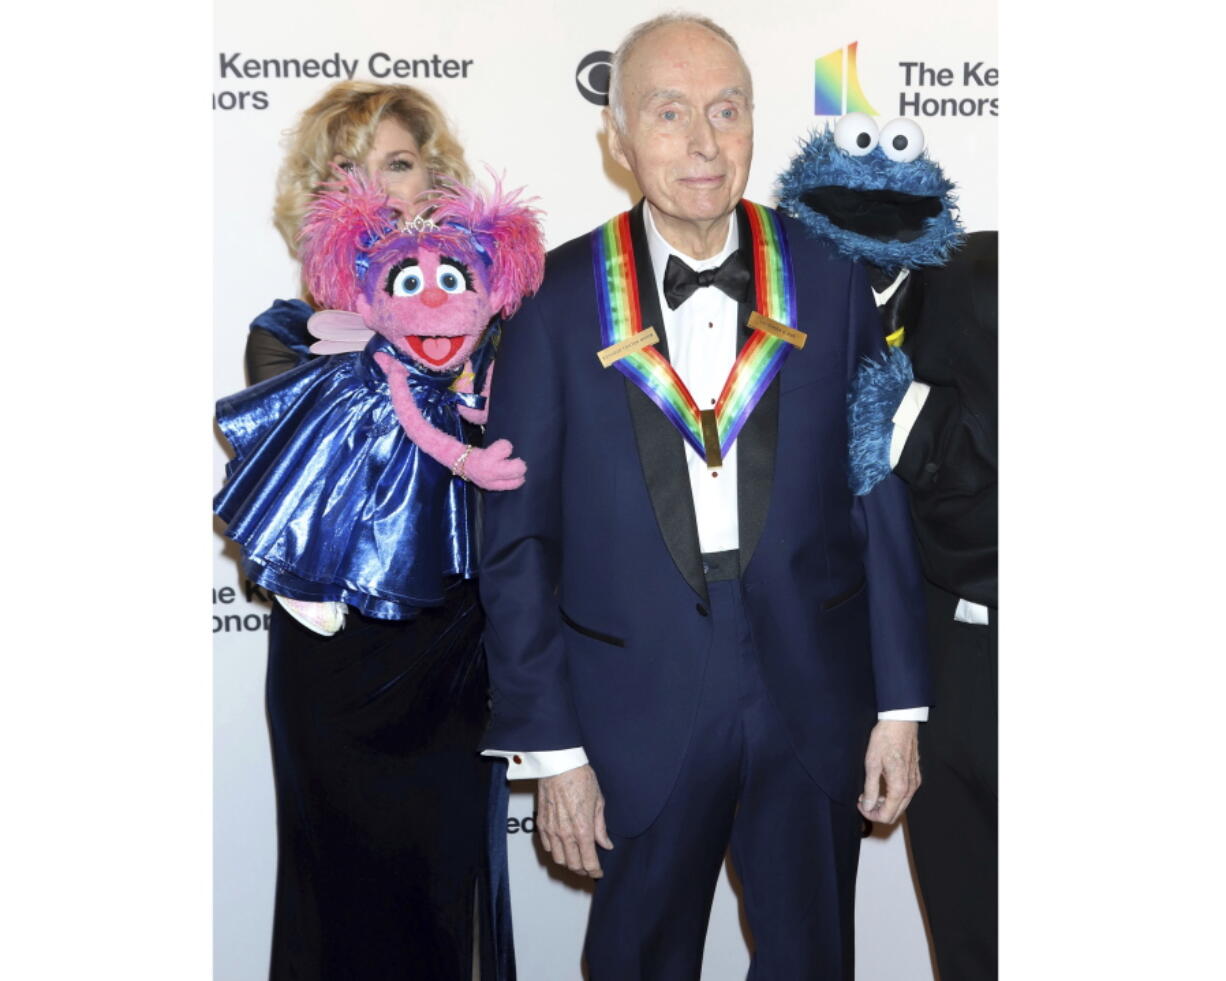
(435, 350)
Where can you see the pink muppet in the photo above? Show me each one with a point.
(430, 287)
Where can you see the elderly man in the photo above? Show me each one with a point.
(697, 637)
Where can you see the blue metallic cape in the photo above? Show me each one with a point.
(328, 497)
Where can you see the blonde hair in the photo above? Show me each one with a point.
(343, 122)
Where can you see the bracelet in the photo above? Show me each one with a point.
(457, 468)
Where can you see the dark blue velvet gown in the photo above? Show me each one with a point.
(391, 829)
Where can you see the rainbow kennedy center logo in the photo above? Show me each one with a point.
(836, 84)
(837, 90)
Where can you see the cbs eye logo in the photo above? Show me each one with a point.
(592, 77)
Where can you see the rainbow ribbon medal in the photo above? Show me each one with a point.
(710, 432)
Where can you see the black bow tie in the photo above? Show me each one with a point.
(680, 281)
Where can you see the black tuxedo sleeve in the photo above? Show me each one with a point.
(949, 461)
(948, 434)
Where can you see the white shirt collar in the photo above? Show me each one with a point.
(884, 295)
(660, 250)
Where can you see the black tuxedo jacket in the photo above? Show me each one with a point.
(949, 459)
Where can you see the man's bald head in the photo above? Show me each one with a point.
(686, 126)
(638, 33)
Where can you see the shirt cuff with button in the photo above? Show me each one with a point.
(549, 763)
(546, 763)
(919, 714)
(904, 418)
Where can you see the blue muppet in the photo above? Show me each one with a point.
(926, 414)
(876, 197)
(873, 196)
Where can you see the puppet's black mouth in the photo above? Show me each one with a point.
(888, 216)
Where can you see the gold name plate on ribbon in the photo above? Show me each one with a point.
(794, 337)
(622, 349)
(710, 438)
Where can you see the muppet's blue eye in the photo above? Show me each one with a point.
(408, 282)
(450, 279)
(856, 134)
(902, 140)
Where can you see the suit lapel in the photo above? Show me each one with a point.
(661, 447)
(759, 436)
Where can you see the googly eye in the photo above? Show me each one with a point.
(856, 134)
(408, 282)
(450, 279)
(902, 140)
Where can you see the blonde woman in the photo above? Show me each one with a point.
(390, 827)
(393, 131)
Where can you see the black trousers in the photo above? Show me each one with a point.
(953, 819)
(382, 799)
(741, 784)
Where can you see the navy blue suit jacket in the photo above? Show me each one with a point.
(598, 628)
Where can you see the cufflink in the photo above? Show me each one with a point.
(517, 759)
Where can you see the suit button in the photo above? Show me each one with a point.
(702, 610)
(517, 758)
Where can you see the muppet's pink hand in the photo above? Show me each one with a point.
(493, 468)
(490, 468)
(477, 417)
(391, 367)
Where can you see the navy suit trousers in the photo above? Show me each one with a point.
(794, 850)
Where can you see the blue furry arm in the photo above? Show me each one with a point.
(876, 391)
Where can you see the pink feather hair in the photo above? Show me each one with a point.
(346, 216)
(499, 237)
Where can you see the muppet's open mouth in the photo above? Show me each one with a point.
(888, 216)
(435, 350)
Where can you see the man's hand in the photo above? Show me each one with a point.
(570, 818)
(893, 754)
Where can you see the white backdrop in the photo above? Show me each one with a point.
(514, 96)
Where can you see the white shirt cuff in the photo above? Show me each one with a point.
(968, 612)
(547, 763)
(919, 714)
(904, 418)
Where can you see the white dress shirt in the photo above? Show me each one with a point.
(702, 347)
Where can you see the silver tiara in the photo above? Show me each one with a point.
(419, 225)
